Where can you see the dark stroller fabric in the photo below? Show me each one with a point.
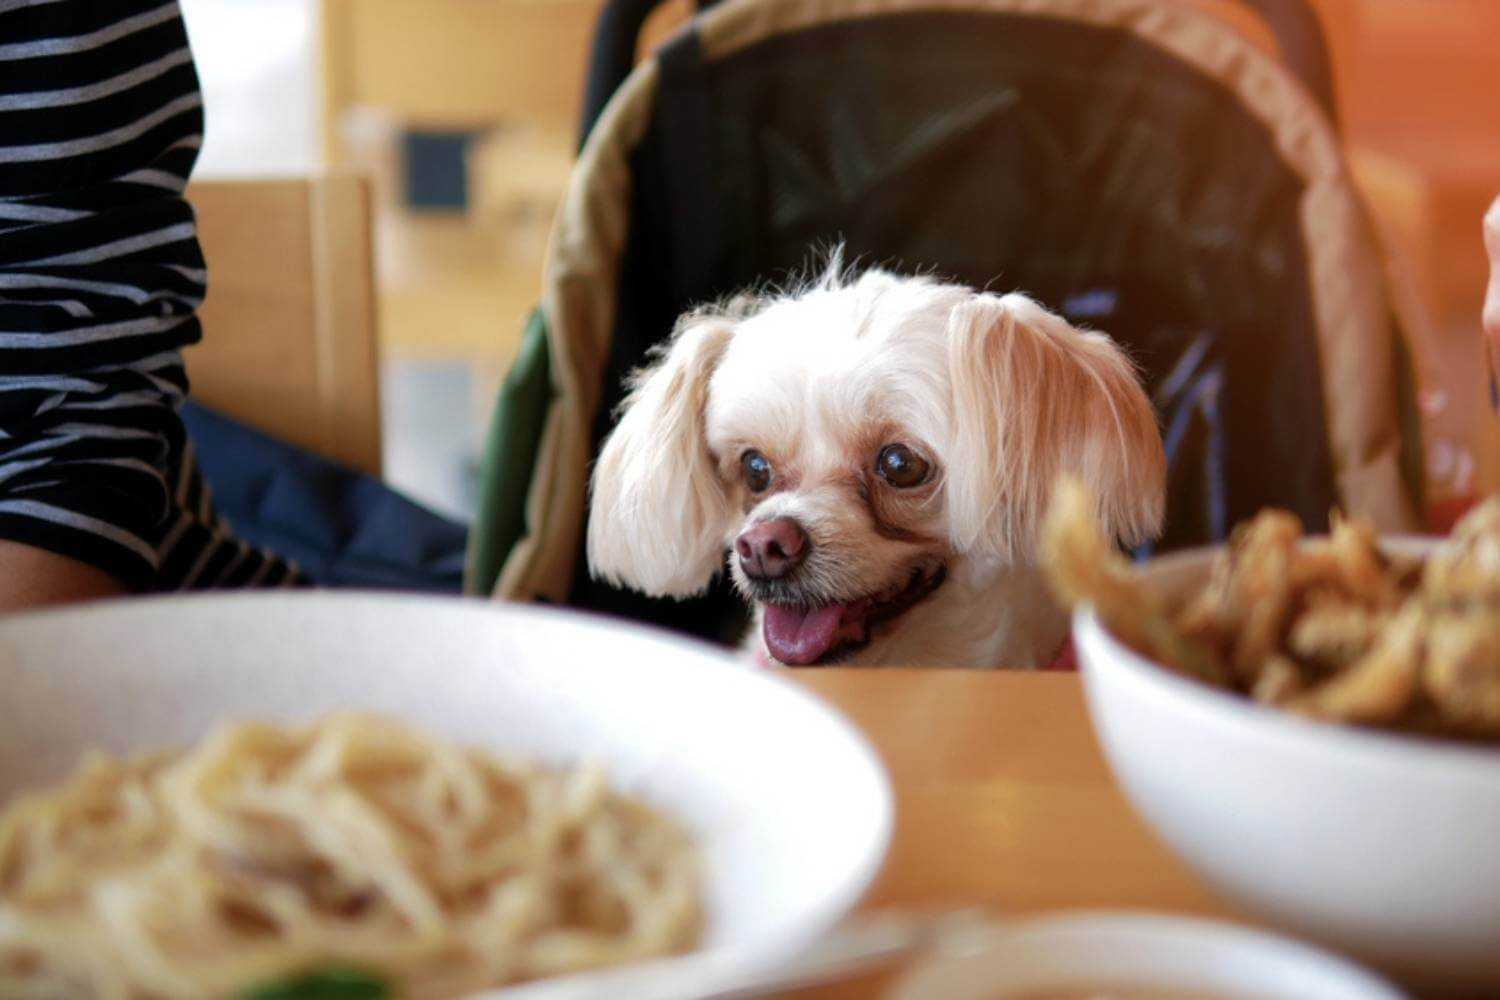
(1081, 163)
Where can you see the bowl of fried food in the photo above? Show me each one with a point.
(1312, 724)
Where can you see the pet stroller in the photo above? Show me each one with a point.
(1136, 165)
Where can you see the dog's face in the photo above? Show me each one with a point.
(829, 419)
(853, 445)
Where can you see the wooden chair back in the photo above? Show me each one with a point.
(289, 340)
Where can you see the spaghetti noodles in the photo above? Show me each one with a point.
(268, 852)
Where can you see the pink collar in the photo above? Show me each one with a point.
(1066, 659)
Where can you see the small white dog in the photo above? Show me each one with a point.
(876, 454)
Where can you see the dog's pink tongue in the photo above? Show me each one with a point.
(797, 637)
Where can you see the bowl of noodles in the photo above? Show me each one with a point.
(289, 797)
(1313, 724)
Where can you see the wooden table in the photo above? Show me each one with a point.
(1003, 799)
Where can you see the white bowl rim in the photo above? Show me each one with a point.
(817, 920)
(128, 603)
(1189, 931)
(1372, 747)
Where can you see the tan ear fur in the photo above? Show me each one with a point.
(658, 511)
(1036, 398)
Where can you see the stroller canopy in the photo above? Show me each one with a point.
(1135, 165)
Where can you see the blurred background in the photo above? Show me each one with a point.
(463, 114)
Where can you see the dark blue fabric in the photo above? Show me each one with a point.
(344, 528)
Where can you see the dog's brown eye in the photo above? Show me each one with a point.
(900, 466)
(757, 471)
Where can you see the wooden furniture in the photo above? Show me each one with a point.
(511, 72)
(459, 64)
(289, 323)
(1415, 83)
(1002, 799)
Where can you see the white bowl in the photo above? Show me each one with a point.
(1144, 953)
(1381, 845)
(790, 805)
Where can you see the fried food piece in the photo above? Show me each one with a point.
(1381, 685)
(1082, 566)
(1332, 632)
(1462, 671)
(1349, 561)
(1260, 592)
(1465, 571)
(1407, 571)
(1279, 682)
(1322, 602)
(1085, 568)
(1242, 612)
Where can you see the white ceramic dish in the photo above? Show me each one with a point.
(1141, 952)
(1380, 845)
(792, 808)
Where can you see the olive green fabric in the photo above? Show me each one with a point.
(510, 452)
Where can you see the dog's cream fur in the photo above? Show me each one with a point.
(998, 395)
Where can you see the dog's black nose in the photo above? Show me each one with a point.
(771, 549)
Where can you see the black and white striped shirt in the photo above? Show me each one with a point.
(100, 274)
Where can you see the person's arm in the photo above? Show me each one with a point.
(34, 577)
(1492, 299)
(100, 277)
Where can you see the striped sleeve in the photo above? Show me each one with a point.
(100, 276)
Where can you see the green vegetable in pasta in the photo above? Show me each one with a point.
(326, 984)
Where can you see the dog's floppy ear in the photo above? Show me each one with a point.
(659, 513)
(1033, 399)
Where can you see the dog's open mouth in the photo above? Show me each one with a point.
(800, 636)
